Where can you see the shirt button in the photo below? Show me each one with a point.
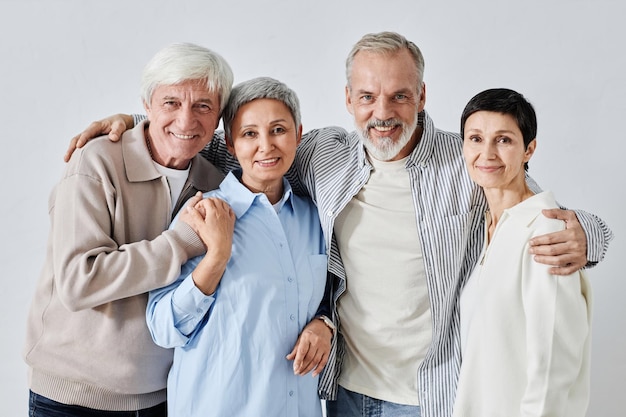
(290, 279)
(329, 213)
(291, 393)
(199, 310)
(292, 317)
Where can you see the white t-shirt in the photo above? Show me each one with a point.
(385, 312)
(176, 179)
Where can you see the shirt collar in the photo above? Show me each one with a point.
(241, 199)
(529, 209)
(424, 149)
(137, 159)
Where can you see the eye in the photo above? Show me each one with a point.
(400, 97)
(203, 107)
(367, 97)
(278, 130)
(170, 104)
(249, 134)
(504, 139)
(474, 138)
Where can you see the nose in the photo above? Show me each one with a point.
(186, 118)
(489, 149)
(266, 142)
(383, 109)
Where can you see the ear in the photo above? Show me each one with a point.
(349, 101)
(146, 107)
(422, 99)
(229, 147)
(530, 150)
(299, 135)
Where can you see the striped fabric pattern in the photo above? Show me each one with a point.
(448, 209)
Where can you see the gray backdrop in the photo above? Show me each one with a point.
(68, 62)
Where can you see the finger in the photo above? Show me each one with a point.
(292, 354)
(118, 127)
(560, 260)
(70, 149)
(565, 270)
(192, 217)
(301, 353)
(554, 249)
(562, 265)
(320, 366)
(194, 200)
(310, 365)
(553, 238)
(567, 215)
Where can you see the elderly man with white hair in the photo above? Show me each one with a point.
(88, 347)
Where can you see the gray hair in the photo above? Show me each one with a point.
(254, 89)
(180, 62)
(386, 43)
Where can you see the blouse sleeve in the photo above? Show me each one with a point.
(557, 312)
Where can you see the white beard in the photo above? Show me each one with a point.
(385, 148)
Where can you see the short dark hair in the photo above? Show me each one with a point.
(505, 101)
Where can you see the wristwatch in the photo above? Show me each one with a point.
(328, 322)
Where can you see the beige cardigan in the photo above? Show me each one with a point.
(87, 342)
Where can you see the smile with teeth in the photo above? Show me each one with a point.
(180, 136)
(384, 128)
(267, 162)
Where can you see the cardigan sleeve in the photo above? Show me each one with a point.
(91, 266)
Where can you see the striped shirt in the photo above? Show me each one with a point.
(331, 167)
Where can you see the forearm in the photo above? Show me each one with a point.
(175, 312)
(92, 265)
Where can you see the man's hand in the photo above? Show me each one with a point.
(566, 250)
(113, 125)
(312, 348)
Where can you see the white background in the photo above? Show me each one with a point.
(65, 63)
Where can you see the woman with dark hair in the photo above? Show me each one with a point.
(525, 334)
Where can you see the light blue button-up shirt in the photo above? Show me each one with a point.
(230, 347)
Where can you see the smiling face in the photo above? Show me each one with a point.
(264, 140)
(182, 118)
(493, 148)
(384, 99)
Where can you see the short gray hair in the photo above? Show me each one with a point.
(180, 62)
(386, 43)
(254, 89)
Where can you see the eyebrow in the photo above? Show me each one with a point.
(400, 91)
(272, 122)
(201, 100)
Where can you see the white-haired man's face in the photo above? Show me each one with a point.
(183, 118)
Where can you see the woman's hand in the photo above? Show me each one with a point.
(214, 222)
(312, 348)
